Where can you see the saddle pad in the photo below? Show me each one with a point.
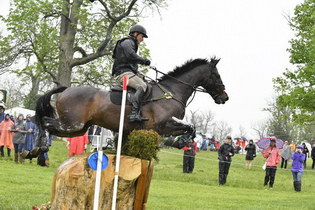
(116, 97)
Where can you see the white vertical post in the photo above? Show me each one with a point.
(98, 170)
(121, 127)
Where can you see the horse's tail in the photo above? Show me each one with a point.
(44, 108)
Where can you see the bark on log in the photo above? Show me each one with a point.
(74, 182)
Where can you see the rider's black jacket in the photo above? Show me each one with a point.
(126, 57)
(224, 152)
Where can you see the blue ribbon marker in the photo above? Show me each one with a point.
(93, 158)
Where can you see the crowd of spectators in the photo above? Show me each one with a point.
(19, 134)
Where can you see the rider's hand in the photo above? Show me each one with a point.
(147, 62)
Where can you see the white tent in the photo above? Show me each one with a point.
(308, 145)
(19, 110)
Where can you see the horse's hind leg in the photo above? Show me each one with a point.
(65, 128)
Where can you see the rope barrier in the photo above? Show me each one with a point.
(234, 163)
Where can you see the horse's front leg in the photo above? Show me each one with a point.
(177, 127)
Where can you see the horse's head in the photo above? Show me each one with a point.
(213, 84)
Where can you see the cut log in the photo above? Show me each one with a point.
(74, 182)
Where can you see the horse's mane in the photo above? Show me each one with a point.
(188, 65)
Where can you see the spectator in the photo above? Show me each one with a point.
(243, 142)
(285, 154)
(272, 155)
(306, 152)
(238, 146)
(251, 153)
(292, 146)
(189, 154)
(297, 167)
(12, 118)
(46, 141)
(225, 153)
(205, 142)
(217, 145)
(212, 143)
(313, 156)
(5, 135)
(198, 140)
(91, 133)
(2, 109)
(19, 138)
(30, 135)
(77, 145)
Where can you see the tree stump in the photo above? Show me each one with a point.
(74, 182)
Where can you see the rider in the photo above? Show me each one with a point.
(126, 64)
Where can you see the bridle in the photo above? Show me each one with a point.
(194, 87)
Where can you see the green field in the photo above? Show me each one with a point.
(22, 186)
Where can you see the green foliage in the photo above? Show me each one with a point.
(143, 144)
(297, 87)
(282, 124)
(62, 42)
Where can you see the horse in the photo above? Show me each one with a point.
(76, 108)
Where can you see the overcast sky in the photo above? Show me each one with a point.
(250, 36)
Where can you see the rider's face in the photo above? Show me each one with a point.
(139, 38)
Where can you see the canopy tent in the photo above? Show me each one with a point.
(19, 110)
(308, 145)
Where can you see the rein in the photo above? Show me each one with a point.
(195, 89)
(185, 83)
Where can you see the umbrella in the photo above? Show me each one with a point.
(264, 143)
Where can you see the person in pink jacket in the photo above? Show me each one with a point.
(273, 157)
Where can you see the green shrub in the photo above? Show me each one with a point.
(143, 144)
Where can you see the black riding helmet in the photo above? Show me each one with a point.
(139, 29)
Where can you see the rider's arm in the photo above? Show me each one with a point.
(127, 46)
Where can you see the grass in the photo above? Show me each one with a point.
(23, 186)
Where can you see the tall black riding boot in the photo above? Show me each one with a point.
(135, 114)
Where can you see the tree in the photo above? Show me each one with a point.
(221, 130)
(297, 87)
(281, 123)
(50, 40)
(15, 91)
(201, 120)
(260, 129)
(90, 33)
(242, 131)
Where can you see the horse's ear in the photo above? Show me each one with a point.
(217, 61)
(214, 61)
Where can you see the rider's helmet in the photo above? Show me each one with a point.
(139, 29)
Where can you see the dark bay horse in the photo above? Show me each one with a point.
(79, 107)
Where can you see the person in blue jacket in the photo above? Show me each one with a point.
(297, 167)
(30, 134)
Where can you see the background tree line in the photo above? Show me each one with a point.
(66, 42)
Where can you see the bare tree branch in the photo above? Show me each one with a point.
(81, 50)
(107, 11)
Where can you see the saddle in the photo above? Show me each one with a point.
(116, 94)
